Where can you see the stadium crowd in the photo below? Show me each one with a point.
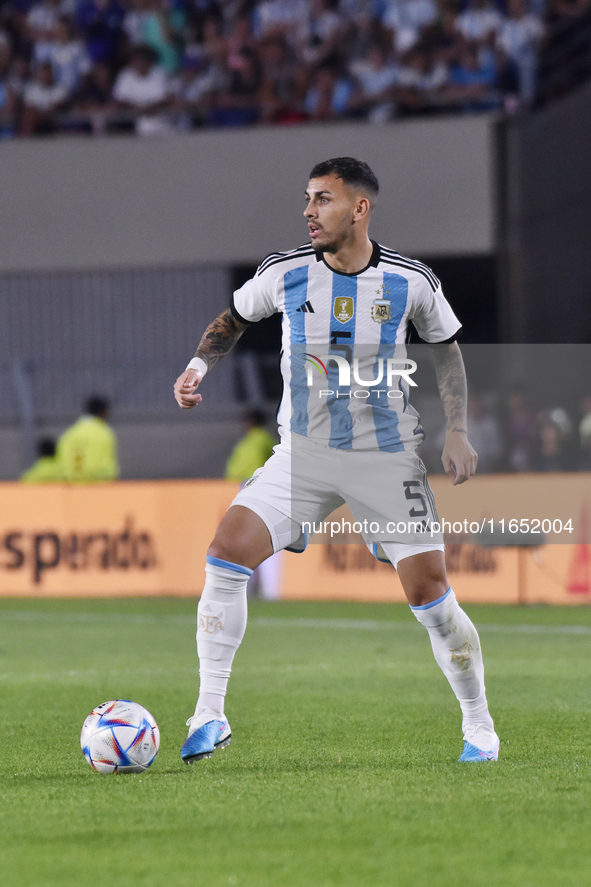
(153, 66)
(512, 435)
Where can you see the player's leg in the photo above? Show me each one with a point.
(241, 543)
(259, 522)
(393, 490)
(455, 643)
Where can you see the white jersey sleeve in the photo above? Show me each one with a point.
(432, 315)
(257, 298)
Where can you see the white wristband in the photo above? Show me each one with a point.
(197, 364)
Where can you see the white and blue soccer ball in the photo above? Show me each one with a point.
(120, 737)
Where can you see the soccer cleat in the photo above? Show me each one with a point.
(477, 736)
(207, 732)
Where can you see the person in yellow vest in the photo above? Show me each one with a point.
(251, 452)
(47, 468)
(87, 450)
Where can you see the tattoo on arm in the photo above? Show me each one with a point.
(219, 337)
(451, 379)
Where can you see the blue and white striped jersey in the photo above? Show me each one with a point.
(341, 333)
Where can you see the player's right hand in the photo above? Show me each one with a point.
(184, 389)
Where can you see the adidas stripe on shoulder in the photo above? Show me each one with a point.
(391, 257)
(273, 258)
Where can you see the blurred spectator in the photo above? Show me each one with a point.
(252, 450)
(47, 468)
(365, 29)
(42, 97)
(283, 83)
(8, 97)
(101, 24)
(66, 55)
(357, 11)
(520, 431)
(134, 23)
(375, 77)
(87, 451)
(420, 81)
(407, 20)
(442, 39)
(518, 39)
(324, 28)
(472, 80)
(5, 51)
(560, 417)
(240, 37)
(484, 433)
(239, 104)
(152, 23)
(552, 452)
(43, 17)
(194, 89)
(328, 94)
(94, 102)
(144, 90)
(280, 18)
(160, 32)
(13, 88)
(214, 46)
(480, 22)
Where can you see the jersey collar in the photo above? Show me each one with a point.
(373, 262)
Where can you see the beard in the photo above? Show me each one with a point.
(331, 247)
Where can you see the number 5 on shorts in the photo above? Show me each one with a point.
(408, 484)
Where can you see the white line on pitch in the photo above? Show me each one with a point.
(276, 622)
(375, 625)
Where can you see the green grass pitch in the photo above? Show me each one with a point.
(343, 766)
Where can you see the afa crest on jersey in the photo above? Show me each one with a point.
(381, 310)
(343, 308)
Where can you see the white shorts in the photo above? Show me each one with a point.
(304, 481)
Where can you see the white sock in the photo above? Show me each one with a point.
(221, 623)
(456, 647)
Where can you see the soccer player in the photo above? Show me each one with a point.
(356, 446)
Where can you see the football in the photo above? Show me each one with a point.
(120, 736)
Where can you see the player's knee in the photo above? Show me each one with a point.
(234, 548)
(423, 578)
(226, 550)
(242, 538)
(420, 595)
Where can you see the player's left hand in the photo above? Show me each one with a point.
(458, 457)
